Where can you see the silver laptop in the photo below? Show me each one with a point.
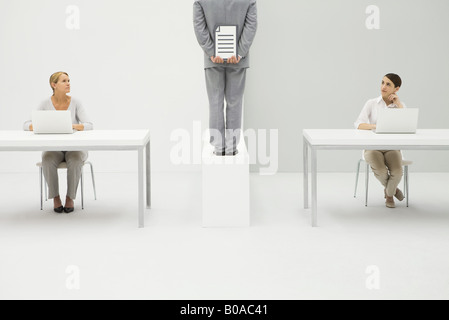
(395, 120)
(52, 121)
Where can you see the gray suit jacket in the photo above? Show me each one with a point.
(208, 14)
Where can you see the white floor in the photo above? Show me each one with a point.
(46, 256)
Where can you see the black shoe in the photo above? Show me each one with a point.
(219, 153)
(59, 209)
(69, 210)
(235, 152)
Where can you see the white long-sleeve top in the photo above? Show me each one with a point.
(79, 115)
(371, 109)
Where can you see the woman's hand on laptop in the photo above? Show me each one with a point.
(79, 127)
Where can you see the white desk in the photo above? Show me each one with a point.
(89, 140)
(342, 139)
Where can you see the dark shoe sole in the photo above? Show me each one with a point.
(223, 153)
(59, 209)
(233, 153)
(69, 210)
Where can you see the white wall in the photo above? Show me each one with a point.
(315, 64)
(137, 64)
(134, 64)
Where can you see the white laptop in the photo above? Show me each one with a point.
(52, 121)
(395, 120)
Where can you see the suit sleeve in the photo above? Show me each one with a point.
(249, 30)
(201, 30)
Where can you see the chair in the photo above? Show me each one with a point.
(63, 165)
(405, 164)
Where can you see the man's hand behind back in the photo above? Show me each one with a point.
(231, 60)
(217, 60)
(234, 60)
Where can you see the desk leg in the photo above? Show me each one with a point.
(148, 175)
(306, 173)
(314, 188)
(140, 188)
(40, 183)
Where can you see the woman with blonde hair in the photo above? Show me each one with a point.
(60, 84)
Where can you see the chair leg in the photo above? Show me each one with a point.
(407, 184)
(46, 189)
(93, 180)
(405, 181)
(357, 178)
(82, 191)
(40, 185)
(366, 184)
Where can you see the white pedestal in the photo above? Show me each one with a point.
(225, 188)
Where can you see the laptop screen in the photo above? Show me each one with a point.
(52, 121)
(394, 120)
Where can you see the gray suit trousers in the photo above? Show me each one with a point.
(225, 84)
(50, 162)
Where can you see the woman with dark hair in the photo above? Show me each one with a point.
(386, 164)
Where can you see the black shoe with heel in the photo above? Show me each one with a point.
(69, 210)
(233, 153)
(59, 209)
(219, 153)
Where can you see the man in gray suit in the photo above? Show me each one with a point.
(225, 79)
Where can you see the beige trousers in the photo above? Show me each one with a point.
(387, 168)
(50, 162)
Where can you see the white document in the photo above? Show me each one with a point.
(226, 41)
